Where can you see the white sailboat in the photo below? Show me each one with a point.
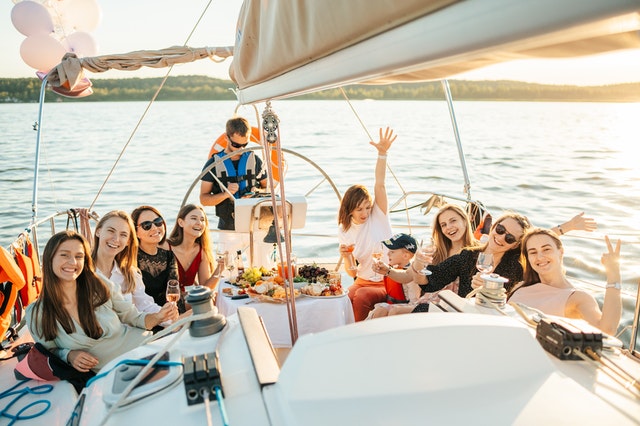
(484, 367)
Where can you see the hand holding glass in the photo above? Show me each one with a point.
(484, 264)
(427, 249)
(173, 291)
(376, 254)
(352, 259)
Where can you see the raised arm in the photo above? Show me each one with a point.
(379, 190)
(576, 223)
(586, 307)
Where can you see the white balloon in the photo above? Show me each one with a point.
(81, 43)
(31, 18)
(80, 15)
(41, 52)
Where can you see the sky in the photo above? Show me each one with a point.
(128, 25)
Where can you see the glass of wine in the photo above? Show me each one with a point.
(484, 264)
(352, 260)
(221, 254)
(376, 254)
(173, 291)
(426, 247)
(229, 263)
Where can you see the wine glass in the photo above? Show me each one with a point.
(221, 254)
(229, 263)
(352, 259)
(173, 291)
(376, 254)
(484, 263)
(426, 247)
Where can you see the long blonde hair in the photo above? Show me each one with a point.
(127, 259)
(443, 243)
(204, 240)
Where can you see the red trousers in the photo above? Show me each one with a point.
(364, 295)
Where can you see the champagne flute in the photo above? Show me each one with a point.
(376, 254)
(173, 291)
(426, 248)
(484, 264)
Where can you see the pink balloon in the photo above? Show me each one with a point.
(41, 52)
(80, 15)
(81, 43)
(31, 18)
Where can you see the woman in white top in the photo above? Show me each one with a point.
(115, 254)
(546, 287)
(82, 319)
(364, 223)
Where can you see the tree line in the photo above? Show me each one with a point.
(201, 88)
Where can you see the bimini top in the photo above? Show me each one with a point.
(286, 48)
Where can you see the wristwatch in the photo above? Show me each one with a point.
(616, 285)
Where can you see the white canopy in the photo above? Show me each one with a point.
(288, 47)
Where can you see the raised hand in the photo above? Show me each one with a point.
(385, 142)
(611, 261)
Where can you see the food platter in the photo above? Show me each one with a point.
(344, 293)
(264, 298)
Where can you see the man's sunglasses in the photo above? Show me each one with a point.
(147, 224)
(509, 238)
(236, 144)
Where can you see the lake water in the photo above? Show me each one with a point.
(547, 160)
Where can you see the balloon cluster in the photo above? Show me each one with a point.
(55, 27)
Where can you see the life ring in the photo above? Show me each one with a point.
(221, 143)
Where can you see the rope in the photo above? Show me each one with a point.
(344, 94)
(19, 393)
(144, 114)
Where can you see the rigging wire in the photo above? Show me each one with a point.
(144, 114)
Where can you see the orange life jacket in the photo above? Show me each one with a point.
(11, 280)
(395, 294)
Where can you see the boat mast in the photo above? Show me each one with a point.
(454, 123)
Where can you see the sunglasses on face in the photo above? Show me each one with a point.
(147, 224)
(236, 144)
(509, 238)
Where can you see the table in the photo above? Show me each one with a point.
(313, 314)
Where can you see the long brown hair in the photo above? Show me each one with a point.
(204, 240)
(127, 259)
(91, 293)
(135, 215)
(352, 198)
(442, 243)
(529, 275)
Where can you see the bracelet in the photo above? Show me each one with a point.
(388, 272)
(616, 285)
(382, 157)
(560, 229)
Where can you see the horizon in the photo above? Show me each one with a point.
(120, 30)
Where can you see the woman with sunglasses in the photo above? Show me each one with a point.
(363, 222)
(115, 254)
(545, 286)
(190, 242)
(157, 264)
(503, 244)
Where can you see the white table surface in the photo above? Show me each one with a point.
(313, 314)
